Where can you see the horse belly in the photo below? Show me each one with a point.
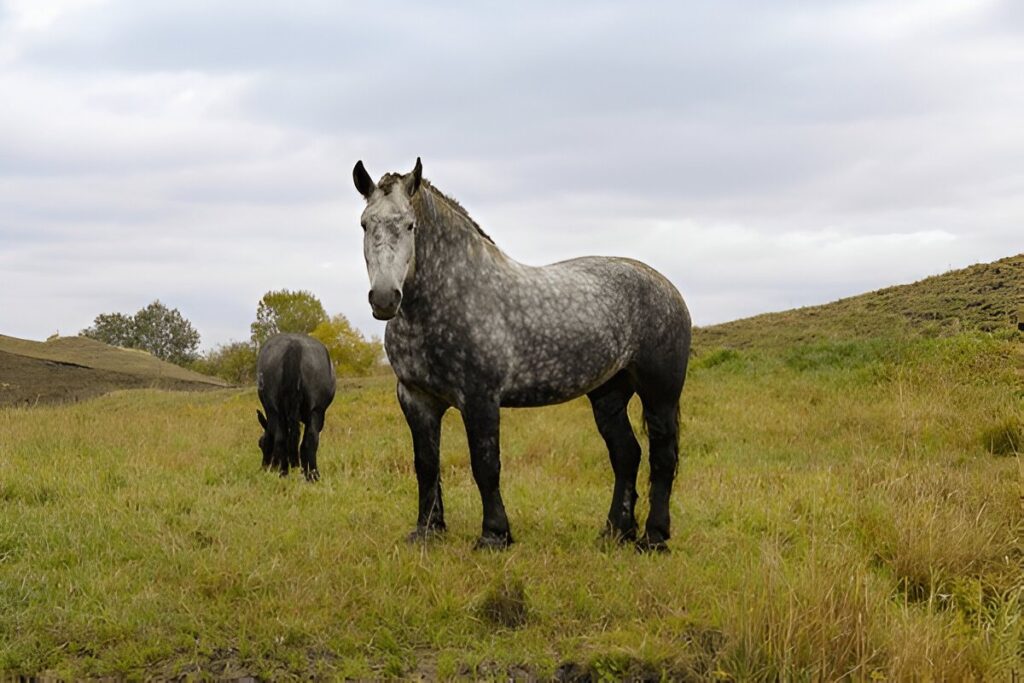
(534, 397)
(566, 352)
(546, 381)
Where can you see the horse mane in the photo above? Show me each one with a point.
(445, 202)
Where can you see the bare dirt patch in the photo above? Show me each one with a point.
(26, 381)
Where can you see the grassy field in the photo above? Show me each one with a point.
(849, 508)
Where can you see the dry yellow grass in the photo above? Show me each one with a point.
(836, 514)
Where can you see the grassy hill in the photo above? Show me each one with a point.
(986, 296)
(91, 353)
(76, 368)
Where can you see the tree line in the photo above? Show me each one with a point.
(168, 335)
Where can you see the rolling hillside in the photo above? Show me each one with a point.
(986, 296)
(76, 368)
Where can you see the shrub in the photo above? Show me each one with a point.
(351, 354)
(234, 362)
(716, 357)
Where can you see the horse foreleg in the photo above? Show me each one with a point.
(267, 440)
(423, 413)
(310, 443)
(279, 457)
(481, 419)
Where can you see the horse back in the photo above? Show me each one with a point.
(589, 319)
(294, 375)
(614, 304)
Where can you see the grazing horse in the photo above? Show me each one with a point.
(470, 327)
(295, 380)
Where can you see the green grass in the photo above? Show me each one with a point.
(837, 512)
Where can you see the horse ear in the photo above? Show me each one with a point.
(364, 183)
(261, 417)
(412, 181)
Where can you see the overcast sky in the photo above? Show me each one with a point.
(762, 155)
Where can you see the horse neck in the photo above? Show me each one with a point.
(448, 246)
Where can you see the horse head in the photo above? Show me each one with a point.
(389, 241)
(266, 438)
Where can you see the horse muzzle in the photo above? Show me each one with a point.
(385, 302)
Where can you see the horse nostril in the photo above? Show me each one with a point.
(387, 299)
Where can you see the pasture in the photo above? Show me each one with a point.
(838, 511)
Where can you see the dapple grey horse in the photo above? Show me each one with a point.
(471, 328)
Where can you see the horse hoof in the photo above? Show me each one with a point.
(612, 535)
(313, 476)
(424, 534)
(493, 541)
(646, 545)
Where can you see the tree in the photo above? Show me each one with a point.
(116, 329)
(166, 334)
(285, 311)
(234, 362)
(351, 353)
(160, 330)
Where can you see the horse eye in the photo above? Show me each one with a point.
(410, 226)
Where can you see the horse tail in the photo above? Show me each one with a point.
(291, 376)
(291, 397)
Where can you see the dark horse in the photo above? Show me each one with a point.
(470, 327)
(295, 380)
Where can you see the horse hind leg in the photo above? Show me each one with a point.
(286, 445)
(610, 402)
(310, 443)
(279, 457)
(293, 444)
(661, 414)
